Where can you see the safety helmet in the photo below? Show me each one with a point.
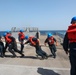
(26, 37)
(4, 34)
(8, 31)
(21, 30)
(73, 19)
(49, 35)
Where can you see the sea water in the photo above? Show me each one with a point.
(61, 33)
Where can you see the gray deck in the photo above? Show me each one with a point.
(31, 65)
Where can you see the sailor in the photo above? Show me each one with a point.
(69, 45)
(12, 45)
(33, 41)
(21, 37)
(50, 41)
(8, 33)
(1, 48)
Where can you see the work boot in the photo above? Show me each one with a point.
(46, 57)
(22, 55)
(37, 56)
(42, 58)
(2, 56)
(54, 57)
(14, 56)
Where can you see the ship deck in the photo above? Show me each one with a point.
(30, 64)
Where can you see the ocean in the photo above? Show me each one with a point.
(61, 33)
(43, 32)
(2, 32)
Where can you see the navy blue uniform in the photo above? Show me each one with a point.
(2, 48)
(39, 51)
(52, 47)
(72, 53)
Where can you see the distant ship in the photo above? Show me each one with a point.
(30, 31)
(25, 29)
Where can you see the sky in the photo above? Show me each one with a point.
(44, 14)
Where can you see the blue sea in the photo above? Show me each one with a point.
(1, 33)
(61, 33)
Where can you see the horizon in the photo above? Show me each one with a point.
(40, 30)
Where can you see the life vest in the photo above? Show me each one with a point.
(71, 32)
(21, 35)
(33, 42)
(8, 40)
(8, 34)
(51, 40)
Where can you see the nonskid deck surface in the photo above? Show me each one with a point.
(30, 64)
(31, 70)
